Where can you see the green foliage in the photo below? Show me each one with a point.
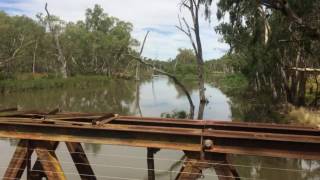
(175, 114)
(229, 63)
(186, 69)
(185, 56)
(267, 43)
(232, 84)
(236, 82)
(183, 66)
(96, 46)
(17, 36)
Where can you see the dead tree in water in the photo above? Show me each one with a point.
(193, 6)
(140, 53)
(55, 34)
(171, 76)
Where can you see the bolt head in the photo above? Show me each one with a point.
(208, 143)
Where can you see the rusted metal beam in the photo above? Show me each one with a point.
(181, 123)
(194, 166)
(150, 162)
(112, 134)
(219, 125)
(192, 169)
(18, 162)
(98, 120)
(8, 110)
(37, 171)
(223, 167)
(227, 137)
(49, 161)
(81, 161)
(107, 120)
(28, 159)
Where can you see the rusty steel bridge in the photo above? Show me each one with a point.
(206, 144)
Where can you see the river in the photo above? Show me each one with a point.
(156, 96)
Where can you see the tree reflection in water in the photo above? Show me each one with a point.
(277, 168)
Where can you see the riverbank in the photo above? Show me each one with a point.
(304, 116)
(41, 83)
(246, 105)
(250, 106)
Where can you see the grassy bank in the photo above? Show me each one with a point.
(230, 84)
(304, 116)
(29, 84)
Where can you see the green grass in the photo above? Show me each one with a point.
(231, 83)
(78, 82)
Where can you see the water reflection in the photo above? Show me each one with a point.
(156, 96)
(169, 97)
(256, 109)
(277, 168)
(113, 98)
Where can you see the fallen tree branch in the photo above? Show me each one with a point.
(176, 81)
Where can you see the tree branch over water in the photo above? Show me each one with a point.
(174, 78)
(140, 53)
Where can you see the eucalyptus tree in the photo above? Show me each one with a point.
(97, 45)
(110, 40)
(185, 62)
(273, 37)
(18, 35)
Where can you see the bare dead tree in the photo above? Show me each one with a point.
(55, 34)
(171, 76)
(137, 104)
(140, 53)
(193, 33)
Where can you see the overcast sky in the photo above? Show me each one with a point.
(158, 16)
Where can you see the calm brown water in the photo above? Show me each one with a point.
(157, 96)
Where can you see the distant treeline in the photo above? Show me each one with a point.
(97, 45)
(184, 65)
